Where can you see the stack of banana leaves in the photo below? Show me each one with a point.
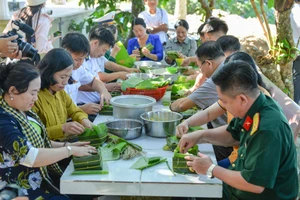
(180, 87)
(148, 46)
(96, 136)
(172, 141)
(92, 162)
(179, 163)
(138, 83)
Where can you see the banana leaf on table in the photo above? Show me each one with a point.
(145, 162)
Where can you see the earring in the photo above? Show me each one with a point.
(11, 98)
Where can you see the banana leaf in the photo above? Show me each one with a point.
(179, 163)
(118, 147)
(173, 54)
(88, 162)
(112, 151)
(131, 82)
(145, 162)
(104, 170)
(146, 85)
(97, 136)
(172, 143)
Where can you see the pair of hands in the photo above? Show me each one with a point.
(199, 163)
(82, 149)
(136, 53)
(75, 128)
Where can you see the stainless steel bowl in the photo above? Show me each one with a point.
(131, 106)
(143, 76)
(125, 128)
(161, 123)
(149, 64)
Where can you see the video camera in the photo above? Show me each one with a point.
(10, 192)
(27, 49)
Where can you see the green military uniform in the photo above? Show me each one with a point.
(267, 153)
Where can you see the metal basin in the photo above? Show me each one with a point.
(161, 123)
(143, 76)
(125, 128)
(150, 64)
(131, 106)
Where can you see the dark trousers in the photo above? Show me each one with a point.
(296, 79)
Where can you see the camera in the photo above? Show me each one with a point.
(27, 49)
(10, 191)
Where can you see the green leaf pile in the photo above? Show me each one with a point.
(138, 83)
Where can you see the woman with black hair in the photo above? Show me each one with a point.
(137, 46)
(27, 157)
(54, 105)
(185, 46)
(39, 21)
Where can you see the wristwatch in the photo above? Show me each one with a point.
(209, 172)
(69, 150)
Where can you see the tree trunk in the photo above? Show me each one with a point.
(207, 7)
(284, 31)
(181, 9)
(137, 6)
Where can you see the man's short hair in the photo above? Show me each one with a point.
(103, 35)
(214, 25)
(229, 43)
(209, 50)
(76, 43)
(236, 77)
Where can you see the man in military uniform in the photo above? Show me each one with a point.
(266, 167)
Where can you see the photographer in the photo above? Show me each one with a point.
(8, 48)
(39, 21)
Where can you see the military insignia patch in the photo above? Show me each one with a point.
(247, 123)
(256, 119)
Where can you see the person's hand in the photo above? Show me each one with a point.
(136, 52)
(146, 52)
(113, 87)
(181, 55)
(87, 123)
(73, 128)
(190, 91)
(77, 144)
(187, 141)
(91, 108)
(83, 150)
(53, 39)
(122, 75)
(115, 50)
(132, 70)
(8, 47)
(199, 163)
(186, 62)
(105, 96)
(182, 129)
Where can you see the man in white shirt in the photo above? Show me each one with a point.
(295, 23)
(156, 20)
(78, 46)
(101, 39)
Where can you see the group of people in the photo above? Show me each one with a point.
(43, 108)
